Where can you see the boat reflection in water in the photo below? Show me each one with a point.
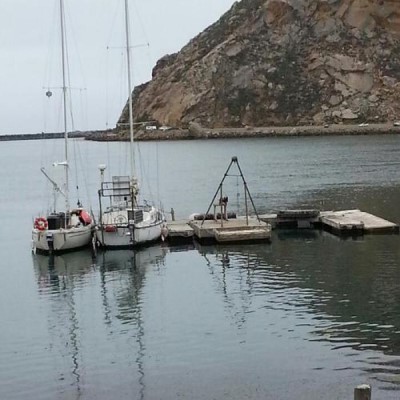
(57, 272)
(124, 272)
(58, 278)
(134, 313)
(94, 307)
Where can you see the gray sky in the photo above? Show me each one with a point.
(29, 55)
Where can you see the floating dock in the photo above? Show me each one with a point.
(231, 230)
(354, 222)
(180, 231)
(339, 222)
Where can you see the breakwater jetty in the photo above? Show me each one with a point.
(118, 135)
(195, 131)
(42, 136)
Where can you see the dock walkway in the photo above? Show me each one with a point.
(180, 231)
(347, 221)
(231, 230)
(354, 222)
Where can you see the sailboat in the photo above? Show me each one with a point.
(124, 222)
(71, 228)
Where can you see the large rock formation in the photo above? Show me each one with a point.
(282, 62)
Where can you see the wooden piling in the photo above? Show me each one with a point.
(362, 392)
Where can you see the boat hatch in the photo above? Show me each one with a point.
(136, 216)
(56, 221)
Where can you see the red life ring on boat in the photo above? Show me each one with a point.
(41, 223)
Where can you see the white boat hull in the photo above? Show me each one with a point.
(62, 239)
(121, 235)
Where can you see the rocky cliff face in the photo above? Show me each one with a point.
(282, 62)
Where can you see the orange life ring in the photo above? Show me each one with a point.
(41, 224)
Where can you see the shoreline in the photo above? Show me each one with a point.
(249, 132)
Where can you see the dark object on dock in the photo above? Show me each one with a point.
(298, 214)
(301, 219)
(200, 217)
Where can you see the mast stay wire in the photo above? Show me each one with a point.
(107, 82)
(46, 84)
(123, 161)
(145, 177)
(78, 159)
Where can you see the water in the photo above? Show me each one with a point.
(309, 316)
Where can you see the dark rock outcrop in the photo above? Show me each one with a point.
(282, 62)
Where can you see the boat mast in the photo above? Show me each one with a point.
(64, 90)
(128, 57)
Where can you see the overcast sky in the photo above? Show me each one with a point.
(30, 55)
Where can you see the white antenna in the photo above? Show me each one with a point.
(128, 56)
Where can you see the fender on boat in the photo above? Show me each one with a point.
(85, 216)
(164, 232)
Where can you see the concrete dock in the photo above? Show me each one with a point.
(180, 231)
(231, 230)
(354, 222)
(339, 222)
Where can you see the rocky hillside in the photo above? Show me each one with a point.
(282, 62)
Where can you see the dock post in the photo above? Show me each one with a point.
(362, 392)
(221, 205)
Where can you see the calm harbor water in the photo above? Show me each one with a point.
(308, 316)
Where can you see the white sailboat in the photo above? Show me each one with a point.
(125, 223)
(72, 228)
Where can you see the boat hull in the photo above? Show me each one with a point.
(60, 240)
(121, 237)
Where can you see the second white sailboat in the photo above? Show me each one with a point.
(123, 221)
